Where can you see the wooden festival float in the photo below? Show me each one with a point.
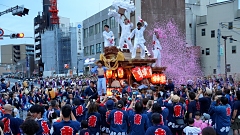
(121, 67)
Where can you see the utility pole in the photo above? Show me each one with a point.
(219, 52)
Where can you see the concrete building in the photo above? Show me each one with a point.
(210, 29)
(59, 50)
(17, 54)
(41, 22)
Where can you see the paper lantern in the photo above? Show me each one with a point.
(163, 79)
(137, 73)
(144, 71)
(109, 74)
(149, 72)
(120, 72)
(155, 79)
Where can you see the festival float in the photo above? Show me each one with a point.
(121, 66)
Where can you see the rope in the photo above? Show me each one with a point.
(107, 62)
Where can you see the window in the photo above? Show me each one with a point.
(98, 48)
(230, 25)
(203, 32)
(92, 49)
(86, 51)
(104, 23)
(207, 51)
(85, 31)
(234, 49)
(231, 40)
(97, 28)
(214, 71)
(112, 22)
(202, 51)
(212, 33)
(228, 66)
(91, 30)
(190, 25)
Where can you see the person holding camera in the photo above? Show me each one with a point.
(91, 91)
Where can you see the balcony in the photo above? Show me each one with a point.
(36, 27)
(37, 43)
(201, 20)
(37, 51)
(30, 53)
(37, 58)
(30, 48)
(37, 35)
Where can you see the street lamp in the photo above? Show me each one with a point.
(77, 64)
(225, 51)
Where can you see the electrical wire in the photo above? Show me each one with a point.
(4, 5)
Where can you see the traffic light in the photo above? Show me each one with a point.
(20, 11)
(17, 35)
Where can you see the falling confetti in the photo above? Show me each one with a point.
(182, 62)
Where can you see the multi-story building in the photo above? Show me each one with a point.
(13, 55)
(59, 49)
(41, 22)
(210, 29)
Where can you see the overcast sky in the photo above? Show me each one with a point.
(76, 10)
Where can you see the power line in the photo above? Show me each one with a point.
(8, 30)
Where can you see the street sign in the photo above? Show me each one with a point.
(1, 32)
(79, 26)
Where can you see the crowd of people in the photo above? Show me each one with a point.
(61, 106)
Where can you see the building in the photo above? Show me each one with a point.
(13, 55)
(42, 22)
(210, 29)
(94, 25)
(59, 48)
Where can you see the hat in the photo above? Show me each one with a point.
(110, 104)
(208, 91)
(153, 88)
(120, 104)
(8, 107)
(206, 116)
(135, 83)
(175, 98)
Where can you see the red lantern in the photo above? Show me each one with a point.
(120, 72)
(155, 79)
(163, 79)
(149, 72)
(144, 71)
(109, 74)
(137, 73)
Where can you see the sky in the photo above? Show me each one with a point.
(76, 10)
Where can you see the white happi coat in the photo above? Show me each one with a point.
(108, 35)
(157, 51)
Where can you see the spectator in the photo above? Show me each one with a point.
(207, 122)
(236, 115)
(208, 131)
(29, 127)
(190, 129)
(126, 89)
(78, 109)
(191, 108)
(197, 121)
(222, 111)
(11, 124)
(4, 85)
(85, 130)
(93, 118)
(37, 114)
(157, 129)
(66, 126)
(91, 91)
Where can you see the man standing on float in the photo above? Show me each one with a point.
(108, 37)
(126, 31)
(139, 39)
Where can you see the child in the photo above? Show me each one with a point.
(85, 130)
(197, 121)
(207, 122)
(191, 130)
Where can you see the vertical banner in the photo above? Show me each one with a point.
(221, 50)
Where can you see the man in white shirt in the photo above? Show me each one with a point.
(139, 39)
(108, 37)
(126, 31)
(191, 130)
(157, 50)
